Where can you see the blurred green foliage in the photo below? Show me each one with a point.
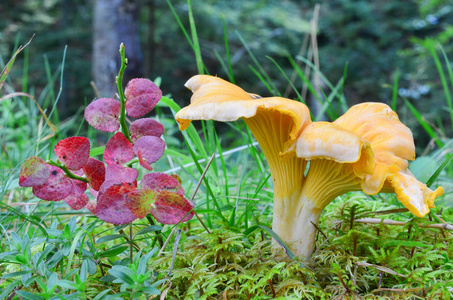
(55, 24)
(377, 39)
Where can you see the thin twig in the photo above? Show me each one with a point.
(166, 241)
(175, 249)
(95, 89)
(319, 229)
(294, 74)
(16, 94)
(386, 212)
(400, 223)
(272, 288)
(198, 186)
(191, 199)
(54, 129)
(243, 198)
(396, 290)
(202, 160)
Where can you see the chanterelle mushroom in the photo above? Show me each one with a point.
(365, 149)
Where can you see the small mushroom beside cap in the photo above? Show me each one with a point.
(367, 149)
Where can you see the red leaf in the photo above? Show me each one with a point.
(151, 148)
(95, 172)
(121, 174)
(103, 114)
(117, 174)
(140, 202)
(91, 205)
(143, 162)
(73, 151)
(176, 177)
(112, 205)
(118, 150)
(146, 126)
(34, 171)
(161, 182)
(172, 208)
(57, 187)
(142, 95)
(77, 199)
(77, 203)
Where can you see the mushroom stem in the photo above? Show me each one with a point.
(298, 199)
(292, 223)
(294, 215)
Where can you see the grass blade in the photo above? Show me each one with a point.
(286, 77)
(443, 79)
(395, 89)
(225, 36)
(261, 78)
(9, 65)
(178, 20)
(423, 123)
(436, 174)
(324, 78)
(263, 72)
(196, 45)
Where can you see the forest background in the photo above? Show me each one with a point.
(377, 41)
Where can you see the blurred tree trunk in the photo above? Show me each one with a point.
(115, 22)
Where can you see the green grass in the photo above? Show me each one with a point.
(49, 250)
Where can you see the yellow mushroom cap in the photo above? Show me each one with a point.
(324, 140)
(413, 194)
(216, 99)
(378, 124)
(368, 140)
(393, 145)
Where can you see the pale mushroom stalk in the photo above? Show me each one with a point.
(296, 204)
(292, 213)
(298, 201)
(333, 171)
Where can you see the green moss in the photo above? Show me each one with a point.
(354, 260)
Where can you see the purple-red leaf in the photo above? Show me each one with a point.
(111, 206)
(118, 150)
(146, 126)
(161, 182)
(73, 151)
(172, 208)
(77, 199)
(103, 114)
(177, 178)
(150, 147)
(91, 205)
(57, 186)
(142, 95)
(140, 202)
(34, 171)
(95, 172)
(77, 203)
(117, 174)
(143, 162)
